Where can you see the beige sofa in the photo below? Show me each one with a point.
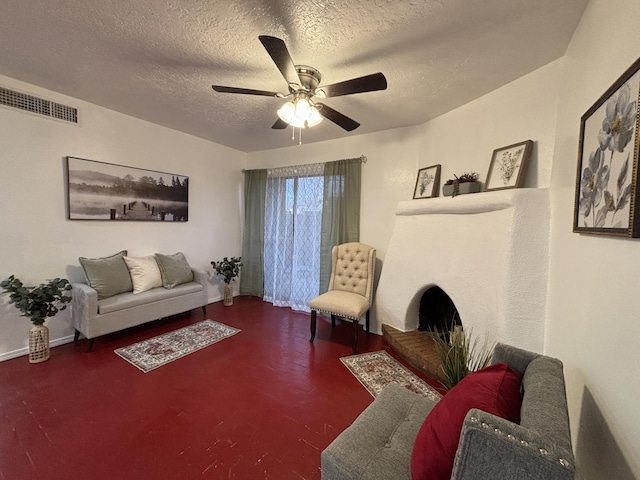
(93, 314)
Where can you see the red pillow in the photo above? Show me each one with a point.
(495, 390)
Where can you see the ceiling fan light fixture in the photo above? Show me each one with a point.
(302, 82)
(314, 117)
(287, 111)
(298, 123)
(300, 113)
(303, 108)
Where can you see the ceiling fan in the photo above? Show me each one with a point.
(303, 110)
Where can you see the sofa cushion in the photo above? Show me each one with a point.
(144, 272)
(107, 275)
(174, 269)
(129, 300)
(376, 444)
(349, 304)
(494, 389)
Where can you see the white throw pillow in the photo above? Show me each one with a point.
(144, 272)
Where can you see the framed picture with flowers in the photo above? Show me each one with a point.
(508, 166)
(606, 181)
(427, 182)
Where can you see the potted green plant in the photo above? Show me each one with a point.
(38, 304)
(465, 183)
(460, 356)
(229, 268)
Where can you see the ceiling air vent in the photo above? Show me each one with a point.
(41, 106)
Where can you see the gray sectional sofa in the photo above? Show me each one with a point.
(378, 445)
(114, 304)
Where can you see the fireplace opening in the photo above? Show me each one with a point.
(437, 312)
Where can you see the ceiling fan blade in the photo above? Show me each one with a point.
(368, 83)
(246, 91)
(280, 124)
(336, 117)
(280, 56)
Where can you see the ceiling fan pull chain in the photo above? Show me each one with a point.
(293, 133)
(300, 136)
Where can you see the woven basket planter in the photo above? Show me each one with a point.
(228, 295)
(38, 344)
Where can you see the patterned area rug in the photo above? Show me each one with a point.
(160, 350)
(376, 370)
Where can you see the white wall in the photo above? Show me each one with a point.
(594, 281)
(38, 243)
(464, 139)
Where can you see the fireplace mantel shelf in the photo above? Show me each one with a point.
(468, 204)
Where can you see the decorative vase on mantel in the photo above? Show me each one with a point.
(39, 350)
(465, 183)
(467, 187)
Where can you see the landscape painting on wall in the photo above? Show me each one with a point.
(104, 191)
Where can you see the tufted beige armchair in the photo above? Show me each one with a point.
(350, 287)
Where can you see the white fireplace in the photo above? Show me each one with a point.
(488, 251)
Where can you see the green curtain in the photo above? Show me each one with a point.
(252, 278)
(340, 211)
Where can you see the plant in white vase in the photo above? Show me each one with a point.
(38, 304)
(229, 268)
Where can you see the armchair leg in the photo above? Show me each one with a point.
(204, 309)
(356, 327)
(333, 320)
(367, 323)
(76, 336)
(90, 345)
(313, 326)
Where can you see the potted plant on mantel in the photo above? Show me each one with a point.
(38, 304)
(229, 268)
(465, 183)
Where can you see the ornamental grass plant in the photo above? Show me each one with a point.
(459, 355)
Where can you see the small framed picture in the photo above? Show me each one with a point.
(508, 166)
(428, 182)
(607, 188)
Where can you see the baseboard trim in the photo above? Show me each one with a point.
(69, 338)
(25, 350)
(220, 298)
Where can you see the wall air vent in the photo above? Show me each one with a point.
(41, 106)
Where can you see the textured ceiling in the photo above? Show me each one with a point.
(157, 59)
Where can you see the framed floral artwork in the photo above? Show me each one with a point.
(508, 166)
(427, 182)
(606, 181)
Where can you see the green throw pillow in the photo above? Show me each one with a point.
(174, 269)
(108, 276)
